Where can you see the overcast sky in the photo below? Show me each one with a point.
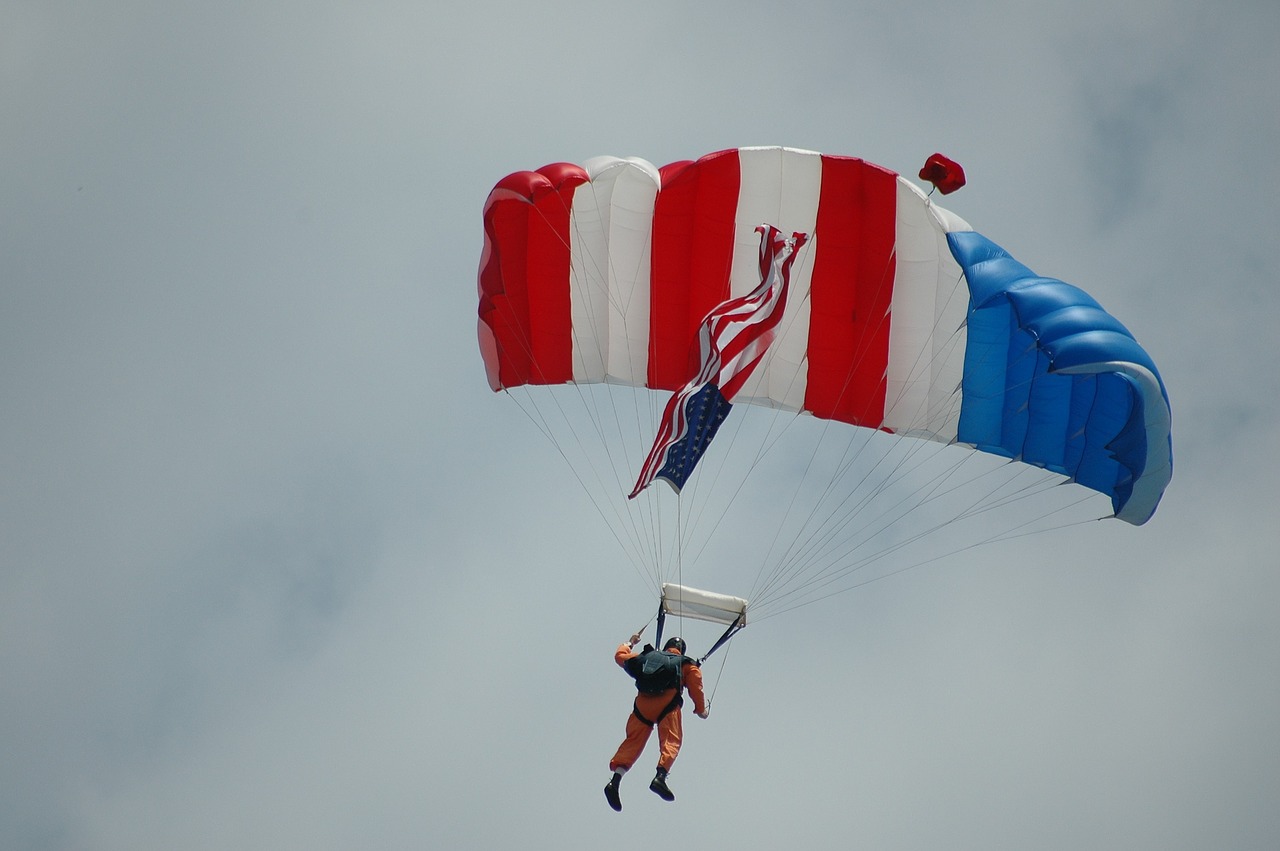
(278, 571)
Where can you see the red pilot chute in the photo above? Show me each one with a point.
(945, 174)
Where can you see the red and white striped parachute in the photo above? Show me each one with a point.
(595, 279)
(603, 273)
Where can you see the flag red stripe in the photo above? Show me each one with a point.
(760, 332)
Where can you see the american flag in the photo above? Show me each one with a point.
(732, 340)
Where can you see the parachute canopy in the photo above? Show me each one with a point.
(603, 273)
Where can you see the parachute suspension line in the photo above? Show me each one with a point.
(777, 536)
(634, 549)
(767, 442)
(646, 626)
(837, 472)
(1005, 497)
(691, 522)
(979, 506)
(648, 509)
(1000, 497)
(822, 543)
(704, 506)
(820, 524)
(680, 542)
(779, 571)
(909, 451)
(1014, 534)
(645, 548)
(695, 483)
(733, 432)
(679, 576)
(997, 537)
(805, 552)
(640, 520)
(599, 419)
(715, 686)
(923, 495)
(895, 513)
(598, 493)
(677, 554)
(838, 567)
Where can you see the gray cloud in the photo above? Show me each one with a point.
(279, 571)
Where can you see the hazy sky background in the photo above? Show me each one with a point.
(278, 571)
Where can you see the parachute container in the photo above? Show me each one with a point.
(684, 602)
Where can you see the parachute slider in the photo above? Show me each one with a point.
(686, 602)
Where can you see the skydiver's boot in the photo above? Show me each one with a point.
(611, 792)
(659, 785)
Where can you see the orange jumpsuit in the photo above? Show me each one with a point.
(650, 706)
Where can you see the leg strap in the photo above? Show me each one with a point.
(676, 703)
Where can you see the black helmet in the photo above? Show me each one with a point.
(673, 641)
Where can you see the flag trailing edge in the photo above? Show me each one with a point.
(732, 340)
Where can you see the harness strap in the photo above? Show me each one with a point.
(728, 633)
(676, 703)
(662, 619)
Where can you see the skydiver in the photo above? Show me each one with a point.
(655, 706)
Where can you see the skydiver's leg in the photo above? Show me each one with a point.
(659, 785)
(670, 735)
(611, 793)
(629, 751)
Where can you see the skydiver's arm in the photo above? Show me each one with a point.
(623, 653)
(693, 682)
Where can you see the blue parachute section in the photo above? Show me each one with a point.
(1051, 379)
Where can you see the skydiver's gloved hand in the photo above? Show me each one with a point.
(635, 639)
